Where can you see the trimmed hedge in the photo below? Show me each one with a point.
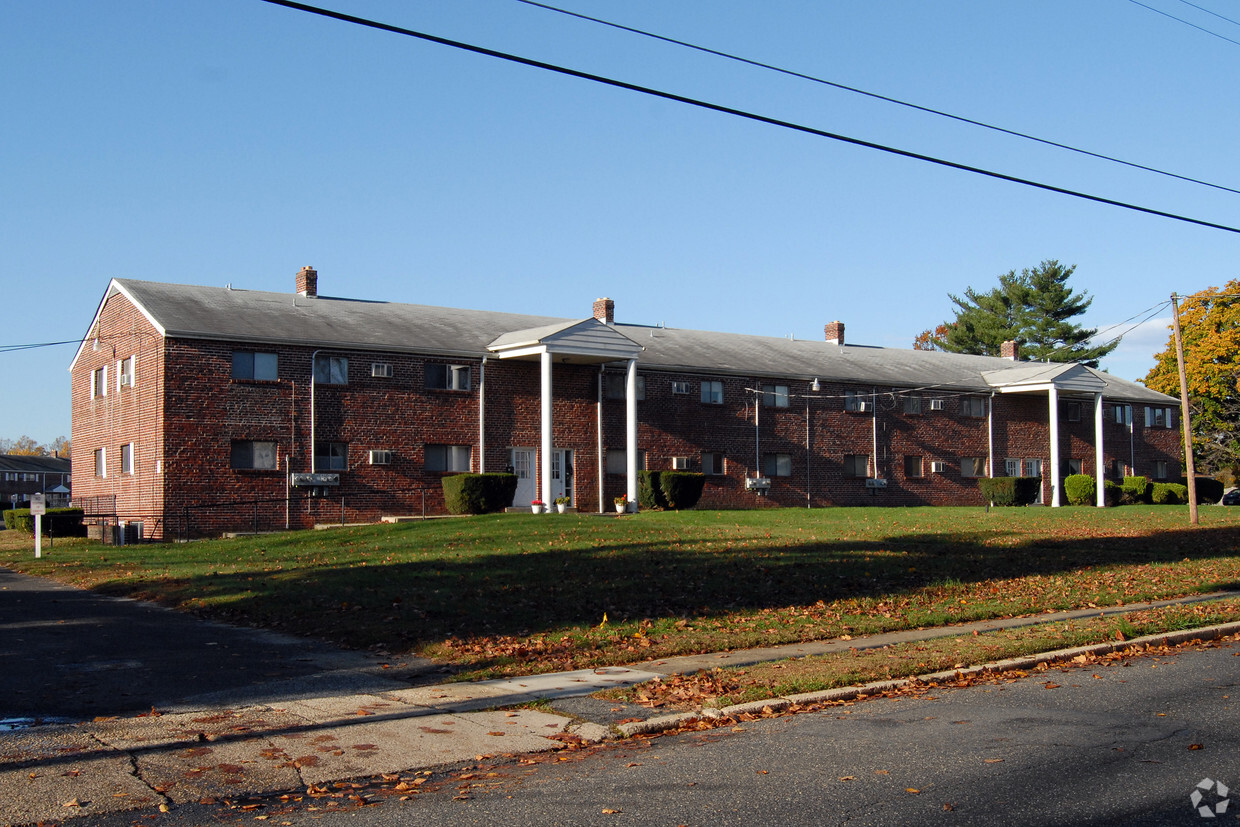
(1080, 489)
(478, 493)
(1010, 491)
(61, 522)
(1209, 490)
(1169, 493)
(681, 489)
(650, 490)
(1112, 493)
(1137, 489)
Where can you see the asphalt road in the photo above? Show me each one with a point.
(1120, 744)
(70, 654)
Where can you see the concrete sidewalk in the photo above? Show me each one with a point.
(338, 716)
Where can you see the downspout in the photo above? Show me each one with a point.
(1132, 443)
(757, 434)
(482, 416)
(314, 358)
(990, 437)
(874, 428)
(807, 454)
(598, 435)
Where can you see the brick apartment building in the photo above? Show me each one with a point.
(198, 409)
(22, 475)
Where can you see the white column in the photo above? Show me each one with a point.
(1100, 474)
(630, 432)
(1052, 396)
(544, 452)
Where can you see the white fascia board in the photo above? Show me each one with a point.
(529, 350)
(114, 287)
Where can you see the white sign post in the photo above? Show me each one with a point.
(38, 507)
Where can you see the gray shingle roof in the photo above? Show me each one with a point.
(326, 322)
(34, 465)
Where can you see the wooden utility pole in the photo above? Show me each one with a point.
(1185, 423)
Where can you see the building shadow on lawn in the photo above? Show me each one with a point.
(406, 605)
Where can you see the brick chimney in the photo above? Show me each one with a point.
(605, 311)
(308, 282)
(835, 333)
(1010, 350)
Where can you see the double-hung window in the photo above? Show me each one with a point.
(712, 392)
(256, 366)
(973, 406)
(331, 456)
(253, 454)
(447, 457)
(777, 465)
(856, 465)
(712, 463)
(331, 370)
(774, 396)
(448, 377)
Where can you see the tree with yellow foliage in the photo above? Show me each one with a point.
(1210, 327)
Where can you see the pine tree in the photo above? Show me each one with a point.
(1035, 308)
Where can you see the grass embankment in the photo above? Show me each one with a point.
(508, 594)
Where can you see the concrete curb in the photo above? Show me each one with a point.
(665, 722)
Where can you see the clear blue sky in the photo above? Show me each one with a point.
(218, 141)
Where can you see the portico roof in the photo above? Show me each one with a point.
(587, 341)
(1065, 377)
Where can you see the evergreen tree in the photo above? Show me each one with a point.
(1034, 308)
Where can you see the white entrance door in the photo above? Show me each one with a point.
(1033, 468)
(561, 475)
(524, 463)
(521, 460)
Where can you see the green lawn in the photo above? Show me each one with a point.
(517, 593)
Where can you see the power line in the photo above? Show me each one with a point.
(740, 113)
(877, 96)
(1207, 11)
(14, 348)
(1185, 22)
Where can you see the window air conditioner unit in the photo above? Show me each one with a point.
(124, 379)
(936, 404)
(863, 406)
(380, 457)
(938, 467)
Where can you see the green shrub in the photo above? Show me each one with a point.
(1169, 493)
(1080, 489)
(58, 522)
(998, 490)
(1209, 490)
(1137, 489)
(478, 493)
(650, 490)
(1007, 491)
(1112, 493)
(682, 489)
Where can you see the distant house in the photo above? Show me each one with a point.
(200, 409)
(22, 475)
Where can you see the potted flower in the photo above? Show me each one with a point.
(622, 504)
(561, 504)
(537, 506)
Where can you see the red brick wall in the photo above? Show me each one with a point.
(131, 414)
(185, 411)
